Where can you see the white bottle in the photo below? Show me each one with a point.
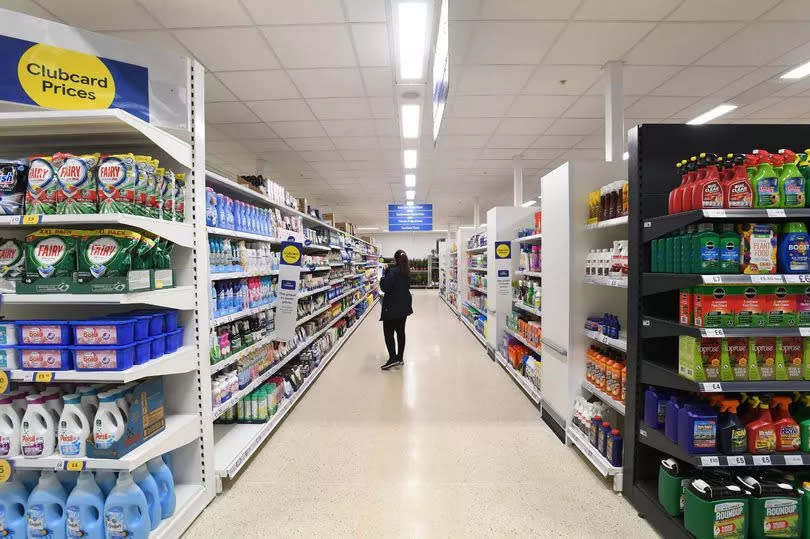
(604, 263)
(88, 400)
(9, 428)
(74, 428)
(108, 425)
(38, 430)
(18, 402)
(121, 402)
(53, 402)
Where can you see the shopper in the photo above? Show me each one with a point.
(396, 307)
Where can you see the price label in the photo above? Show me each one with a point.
(711, 387)
(735, 461)
(714, 213)
(766, 279)
(762, 460)
(709, 461)
(31, 219)
(5, 470)
(776, 213)
(802, 278)
(28, 376)
(793, 460)
(15, 220)
(712, 279)
(43, 376)
(602, 338)
(3, 381)
(645, 323)
(712, 332)
(74, 465)
(804, 332)
(642, 433)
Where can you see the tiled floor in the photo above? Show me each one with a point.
(446, 446)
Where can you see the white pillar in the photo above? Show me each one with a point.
(614, 111)
(476, 213)
(517, 180)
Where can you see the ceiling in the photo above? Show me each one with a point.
(307, 86)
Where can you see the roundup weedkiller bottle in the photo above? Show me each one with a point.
(85, 507)
(74, 428)
(715, 507)
(126, 513)
(45, 514)
(13, 502)
(765, 183)
(774, 506)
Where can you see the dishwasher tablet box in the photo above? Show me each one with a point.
(146, 419)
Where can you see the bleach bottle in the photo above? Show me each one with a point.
(38, 431)
(108, 426)
(126, 513)
(105, 479)
(13, 501)
(149, 487)
(85, 507)
(9, 428)
(45, 513)
(74, 428)
(165, 482)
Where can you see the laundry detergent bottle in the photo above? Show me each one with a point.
(9, 428)
(761, 432)
(37, 432)
(787, 430)
(108, 426)
(85, 509)
(731, 435)
(105, 479)
(149, 487)
(165, 482)
(791, 181)
(89, 400)
(126, 513)
(765, 183)
(793, 254)
(45, 513)
(74, 428)
(13, 502)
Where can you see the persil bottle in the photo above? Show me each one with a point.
(708, 189)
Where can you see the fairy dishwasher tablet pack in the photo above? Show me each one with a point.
(50, 252)
(104, 261)
(76, 176)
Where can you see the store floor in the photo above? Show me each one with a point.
(446, 446)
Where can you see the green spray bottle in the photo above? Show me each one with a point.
(765, 183)
(804, 169)
(791, 181)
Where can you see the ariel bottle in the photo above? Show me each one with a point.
(737, 191)
(765, 183)
(791, 181)
(708, 190)
(691, 176)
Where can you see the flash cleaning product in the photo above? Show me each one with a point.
(9, 428)
(791, 181)
(13, 502)
(794, 244)
(38, 431)
(731, 434)
(765, 183)
(74, 428)
(165, 482)
(149, 487)
(85, 509)
(126, 513)
(45, 512)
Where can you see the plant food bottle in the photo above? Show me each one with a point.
(691, 177)
(737, 191)
(45, 512)
(791, 181)
(787, 430)
(85, 509)
(706, 250)
(765, 183)
(794, 244)
(729, 249)
(708, 190)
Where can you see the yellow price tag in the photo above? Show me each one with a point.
(74, 465)
(32, 219)
(43, 377)
(3, 381)
(5, 470)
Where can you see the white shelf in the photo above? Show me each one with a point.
(190, 501)
(337, 264)
(618, 221)
(308, 293)
(183, 360)
(474, 268)
(526, 384)
(235, 443)
(314, 269)
(212, 230)
(482, 290)
(520, 305)
(475, 332)
(537, 274)
(535, 238)
(179, 297)
(233, 358)
(604, 397)
(618, 344)
(524, 340)
(474, 308)
(477, 249)
(241, 314)
(353, 276)
(181, 429)
(606, 281)
(595, 457)
(242, 274)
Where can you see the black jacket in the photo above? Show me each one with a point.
(397, 300)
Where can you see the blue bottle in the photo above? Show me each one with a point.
(211, 217)
(45, 512)
(126, 513)
(68, 479)
(167, 459)
(222, 215)
(149, 487)
(793, 254)
(697, 429)
(29, 478)
(673, 406)
(85, 507)
(13, 500)
(105, 479)
(229, 212)
(162, 474)
(655, 400)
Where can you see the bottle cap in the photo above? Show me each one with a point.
(787, 155)
(615, 432)
(606, 424)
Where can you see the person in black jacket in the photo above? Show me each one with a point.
(396, 307)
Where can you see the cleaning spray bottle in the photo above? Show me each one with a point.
(791, 181)
(732, 437)
(708, 190)
(765, 183)
(737, 190)
(804, 168)
(787, 430)
(761, 432)
(85, 509)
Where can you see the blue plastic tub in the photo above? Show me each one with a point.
(34, 357)
(47, 332)
(143, 351)
(156, 324)
(174, 339)
(170, 320)
(103, 358)
(158, 346)
(105, 332)
(142, 322)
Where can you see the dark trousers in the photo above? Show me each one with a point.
(389, 327)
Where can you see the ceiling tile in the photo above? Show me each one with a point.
(259, 85)
(763, 81)
(523, 126)
(319, 155)
(522, 10)
(575, 126)
(680, 43)
(492, 79)
(29, 8)
(228, 113)
(342, 82)
(625, 10)
(283, 110)
(511, 141)
(357, 143)
(470, 9)
(478, 105)
(358, 155)
(160, 40)
(385, 127)
(311, 46)
(247, 130)
(339, 108)
(795, 57)
(514, 42)
(101, 16)
(700, 81)
(721, 10)
(309, 144)
(556, 141)
(469, 126)
(789, 107)
(194, 14)
(364, 10)
(758, 44)
(349, 128)
(640, 80)
(378, 81)
(213, 133)
(266, 145)
(592, 142)
(215, 90)
(460, 36)
(227, 147)
(541, 106)
(371, 44)
(381, 107)
(585, 154)
(500, 153)
(606, 41)
(297, 129)
(587, 106)
(789, 10)
(223, 49)
(548, 79)
(658, 107)
(462, 141)
(387, 143)
(298, 12)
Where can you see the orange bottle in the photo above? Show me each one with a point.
(624, 384)
(601, 373)
(761, 432)
(614, 390)
(787, 430)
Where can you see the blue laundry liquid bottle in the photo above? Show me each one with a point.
(45, 513)
(68, 479)
(149, 487)
(105, 479)
(85, 507)
(29, 478)
(126, 513)
(162, 474)
(13, 500)
(167, 459)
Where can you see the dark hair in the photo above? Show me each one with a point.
(401, 260)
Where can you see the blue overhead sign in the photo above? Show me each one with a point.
(416, 218)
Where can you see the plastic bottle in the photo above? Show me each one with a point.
(765, 183)
(791, 181)
(85, 509)
(9, 428)
(705, 249)
(74, 428)
(613, 447)
(693, 168)
(601, 442)
(596, 427)
(788, 437)
(804, 168)
(67, 478)
(13, 502)
(105, 479)
(674, 204)
(761, 432)
(737, 190)
(52, 400)
(18, 401)
(108, 425)
(126, 513)
(697, 429)
(149, 487)
(89, 400)
(686, 249)
(731, 434)
(793, 254)
(45, 512)
(729, 249)
(37, 431)
(672, 407)
(708, 191)
(164, 479)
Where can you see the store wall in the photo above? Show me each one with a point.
(417, 245)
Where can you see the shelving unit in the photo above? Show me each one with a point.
(523, 307)
(580, 441)
(618, 344)
(527, 386)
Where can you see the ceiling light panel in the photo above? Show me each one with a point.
(410, 120)
(410, 180)
(409, 159)
(412, 28)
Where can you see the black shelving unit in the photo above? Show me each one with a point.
(653, 330)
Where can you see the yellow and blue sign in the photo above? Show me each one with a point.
(291, 253)
(55, 78)
(503, 250)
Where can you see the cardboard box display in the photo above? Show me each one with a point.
(735, 355)
(802, 294)
(685, 306)
(713, 307)
(757, 248)
(762, 358)
(699, 358)
(750, 306)
(329, 218)
(781, 307)
(788, 358)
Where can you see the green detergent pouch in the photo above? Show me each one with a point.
(166, 200)
(142, 254)
(162, 256)
(105, 253)
(12, 260)
(42, 188)
(76, 175)
(116, 183)
(180, 197)
(155, 172)
(145, 167)
(50, 252)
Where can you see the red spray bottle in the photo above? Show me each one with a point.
(737, 190)
(691, 177)
(708, 190)
(674, 205)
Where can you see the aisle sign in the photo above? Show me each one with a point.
(404, 218)
(287, 304)
(503, 263)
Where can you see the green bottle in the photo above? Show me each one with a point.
(766, 183)
(654, 256)
(686, 249)
(791, 181)
(729, 249)
(804, 169)
(669, 246)
(677, 241)
(706, 250)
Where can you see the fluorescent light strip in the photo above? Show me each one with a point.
(797, 72)
(410, 180)
(410, 121)
(626, 156)
(710, 115)
(410, 194)
(412, 29)
(527, 204)
(409, 158)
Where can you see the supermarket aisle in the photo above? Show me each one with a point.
(446, 446)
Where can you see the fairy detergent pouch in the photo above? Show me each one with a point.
(12, 186)
(145, 167)
(105, 253)
(180, 197)
(153, 197)
(50, 252)
(142, 253)
(12, 260)
(116, 183)
(76, 175)
(42, 187)
(166, 196)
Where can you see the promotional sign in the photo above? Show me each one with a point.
(403, 218)
(441, 74)
(288, 276)
(503, 261)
